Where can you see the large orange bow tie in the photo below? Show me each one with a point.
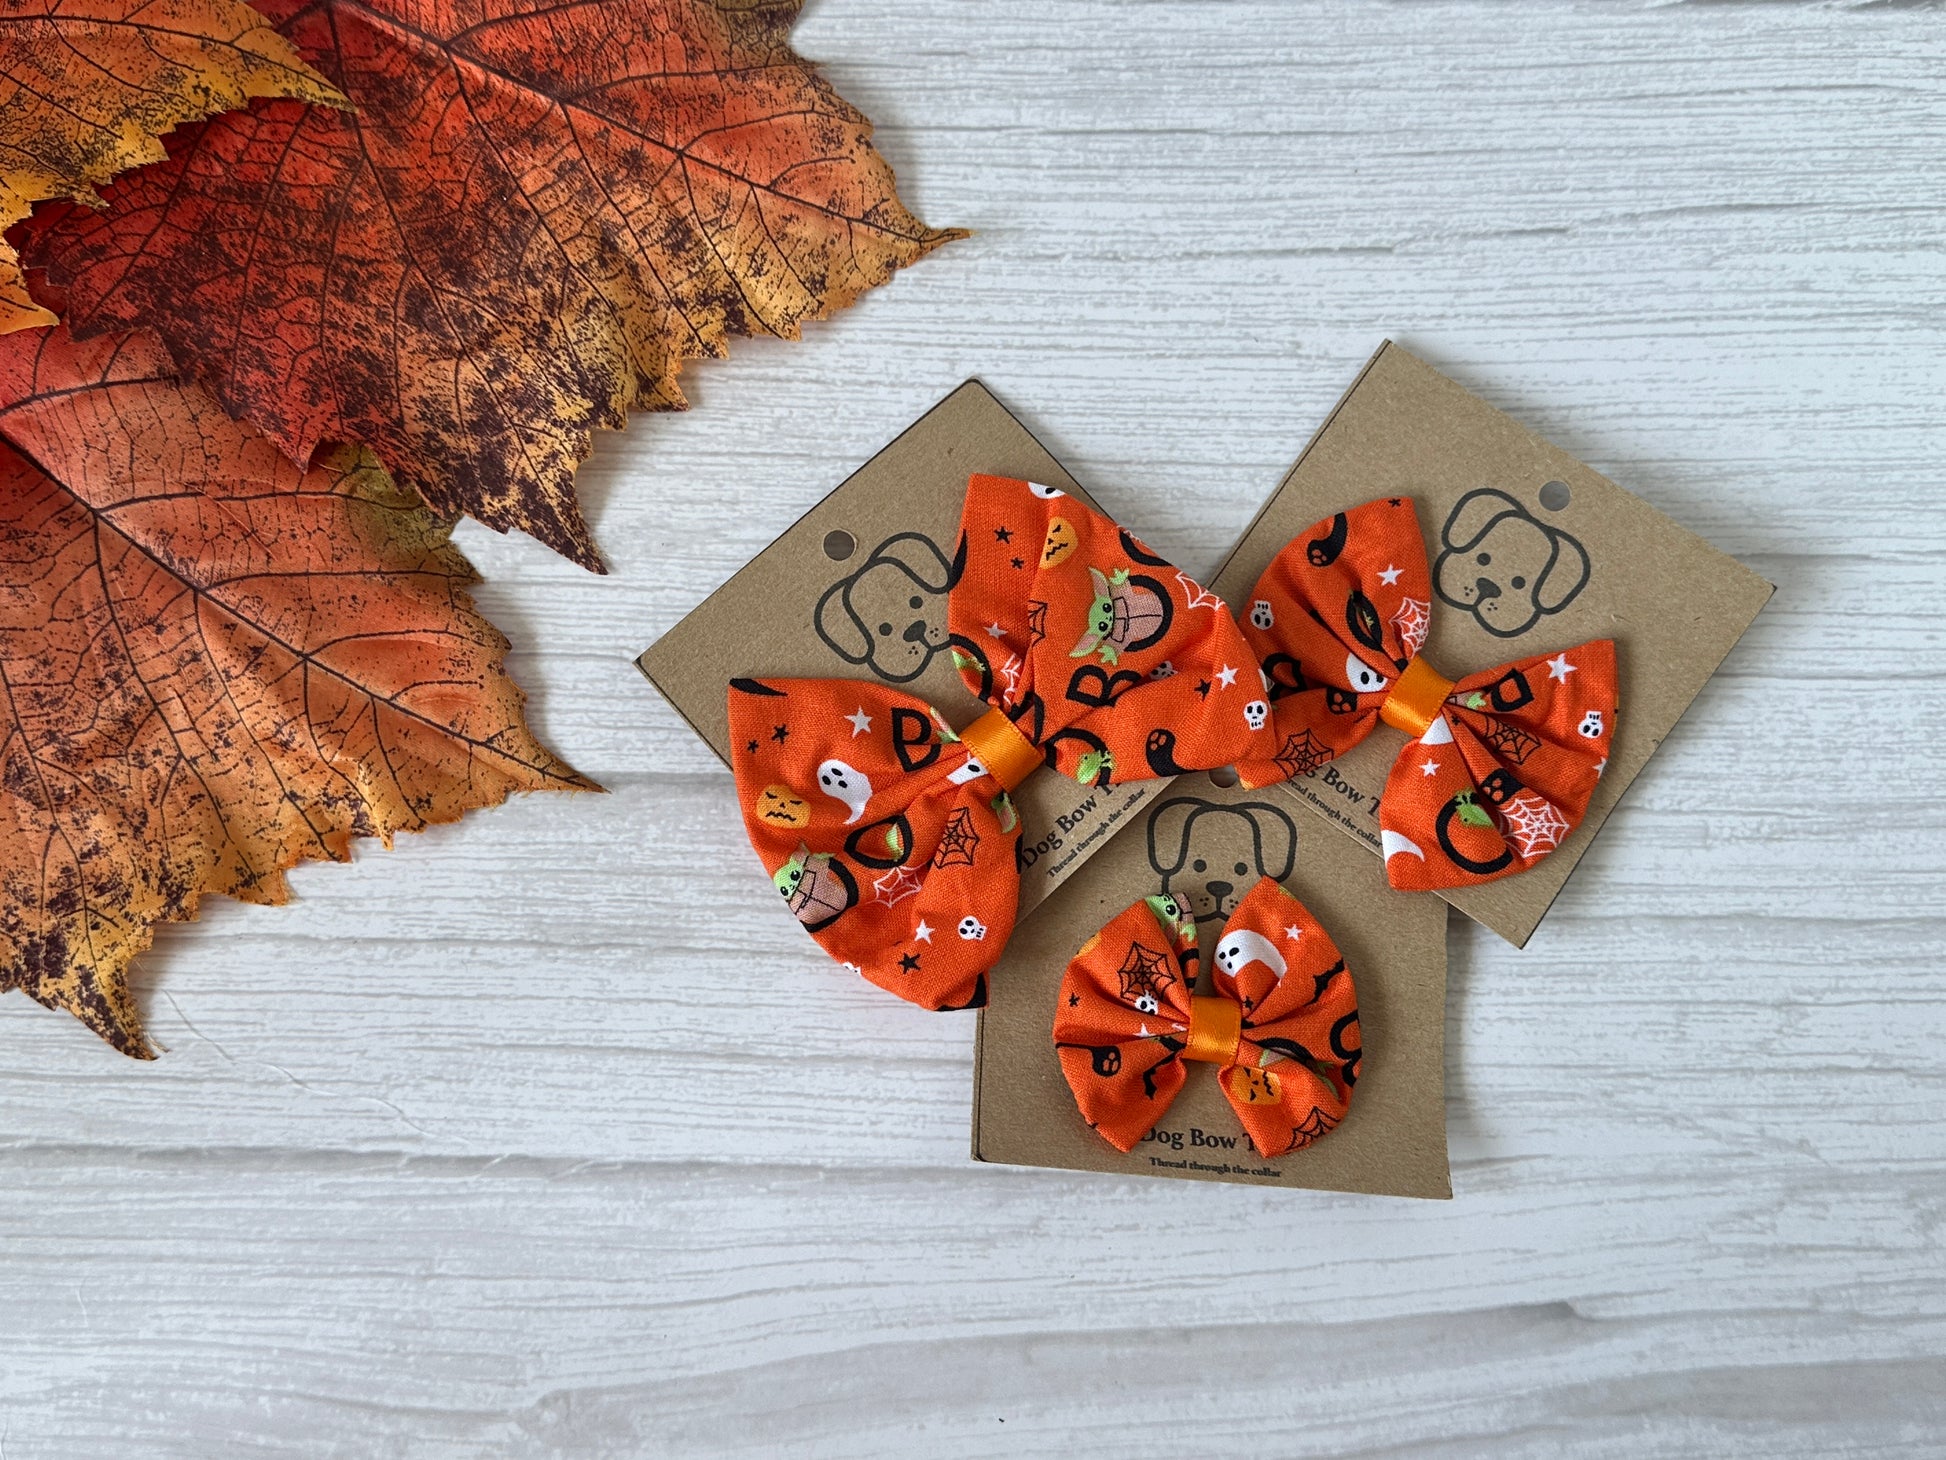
(1502, 762)
(1282, 1025)
(890, 835)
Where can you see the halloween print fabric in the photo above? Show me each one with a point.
(1281, 1027)
(890, 835)
(1118, 665)
(883, 835)
(1502, 763)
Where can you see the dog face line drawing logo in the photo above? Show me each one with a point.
(889, 613)
(1210, 853)
(1504, 565)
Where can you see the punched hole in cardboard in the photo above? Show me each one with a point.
(839, 544)
(1224, 776)
(1554, 496)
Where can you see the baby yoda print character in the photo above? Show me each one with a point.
(813, 887)
(1470, 812)
(1180, 926)
(1123, 612)
(1092, 765)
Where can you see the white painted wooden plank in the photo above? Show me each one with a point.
(549, 1308)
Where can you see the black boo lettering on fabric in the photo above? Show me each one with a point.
(881, 844)
(914, 739)
(1098, 688)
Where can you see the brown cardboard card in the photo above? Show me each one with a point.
(1191, 841)
(878, 551)
(1591, 560)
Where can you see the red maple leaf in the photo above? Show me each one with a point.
(213, 666)
(536, 214)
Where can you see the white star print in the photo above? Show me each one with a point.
(1293, 932)
(1559, 668)
(922, 933)
(1390, 575)
(996, 631)
(1226, 676)
(860, 722)
(1428, 767)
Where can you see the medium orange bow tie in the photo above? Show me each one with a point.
(890, 835)
(1282, 1025)
(1502, 762)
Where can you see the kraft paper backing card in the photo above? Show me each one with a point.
(1595, 562)
(811, 603)
(1189, 841)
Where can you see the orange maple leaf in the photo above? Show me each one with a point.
(213, 665)
(86, 87)
(536, 215)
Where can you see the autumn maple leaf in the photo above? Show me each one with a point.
(86, 87)
(537, 213)
(213, 665)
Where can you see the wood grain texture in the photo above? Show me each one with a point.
(460, 1155)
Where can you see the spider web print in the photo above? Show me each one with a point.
(1195, 595)
(1036, 620)
(1316, 1124)
(1412, 620)
(895, 886)
(1010, 671)
(1302, 754)
(1511, 741)
(1144, 971)
(958, 841)
(1534, 823)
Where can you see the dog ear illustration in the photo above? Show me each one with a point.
(921, 558)
(1276, 837)
(839, 627)
(1169, 834)
(1474, 515)
(1566, 575)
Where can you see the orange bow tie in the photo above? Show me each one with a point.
(890, 835)
(1282, 1025)
(1502, 763)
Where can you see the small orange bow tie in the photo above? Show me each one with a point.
(890, 835)
(1502, 762)
(1282, 1024)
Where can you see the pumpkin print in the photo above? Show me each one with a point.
(781, 806)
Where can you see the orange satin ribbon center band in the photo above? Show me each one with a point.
(1215, 1026)
(996, 742)
(1416, 698)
